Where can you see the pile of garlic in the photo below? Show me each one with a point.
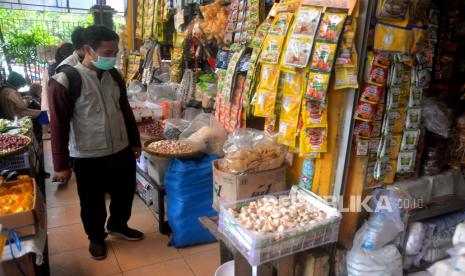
(274, 215)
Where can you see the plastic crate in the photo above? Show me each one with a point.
(15, 162)
(259, 249)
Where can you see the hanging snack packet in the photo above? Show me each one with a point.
(377, 128)
(264, 105)
(314, 139)
(365, 111)
(381, 59)
(260, 34)
(369, 65)
(371, 93)
(306, 22)
(384, 149)
(406, 161)
(287, 133)
(290, 108)
(415, 96)
(380, 169)
(410, 140)
(331, 26)
(373, 145)
(292, 85)
(272, 48)
(270, 126)
(280, 24)
(390, 174)
(317, 86)
(269, 77)
(396, 140)
(298, 52)
(395, 121)
(413, 118)
(361, 148)
(380, 112)
(308, 172)
(345, 78)
(396, 74)
(315, 114)
(393, 99)
(378, 75)
(323, 56)
(363, 129)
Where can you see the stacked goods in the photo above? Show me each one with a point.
(18, 197)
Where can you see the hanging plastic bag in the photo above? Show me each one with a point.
(436, 117)
(174, 127)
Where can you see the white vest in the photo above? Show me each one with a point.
(97, 124)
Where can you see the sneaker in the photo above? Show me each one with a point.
(98, 250)
(127, 234)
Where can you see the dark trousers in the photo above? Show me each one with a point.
(114, 174)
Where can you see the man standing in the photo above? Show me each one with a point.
(96, 128)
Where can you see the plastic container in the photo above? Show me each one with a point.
(15, 162)
(259, 249)
(226, 269)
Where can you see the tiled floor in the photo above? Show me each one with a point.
(151, 256)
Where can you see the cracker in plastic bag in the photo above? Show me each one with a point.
(323, 56)
(378, 75)
(317, 86)
(363, 129)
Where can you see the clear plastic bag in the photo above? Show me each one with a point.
(162, 92)
(436, 117)
(250, 150)
(205, 134)
(174, 127)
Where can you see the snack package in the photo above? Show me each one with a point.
(314, 140)
(410, 140)
(393, 39)
(393, 9)
(306, 21)
(260, 34)
(379, 171)
(287, 133)
(365, 111)
(270, 126)
(371, 93)
(406, 162)
(363, 129)
(323, 56)
(377, 127)
(272, 48)
(384, 148)
(269, 76)
(393, 97)
(331, 26)
(415, 96)
(290, 108)
(379, 112)
(394, 122)
(297, 52)
(315, 114)
(292, 85)
(345, 78)
(381, 59)
(396, 140)
(378, 75)
(369, 65)
(413, 118)
(280, 24)
(390, 174)
(265, 102)
(361, 148)
(317, 86)
(308, 172)
(373, 145)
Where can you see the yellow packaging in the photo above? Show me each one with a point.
(269, 77)
(418, 35)
(3, 239)
(293, 81)
(272, 47)
(264, 103)
(314, 114)
(317, 86)
(287, 133)
(393, 39)
(290, 108)
(281, 24)
(396, 140)
(390, 175)
(298, 52)
(346, 77)
(314, 140)
(399, 124)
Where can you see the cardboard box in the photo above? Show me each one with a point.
(231, 187)
(26, 223)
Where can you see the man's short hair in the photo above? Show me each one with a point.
(77, 39)
(95, 35)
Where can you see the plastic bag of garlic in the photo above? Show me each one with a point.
(269, 227)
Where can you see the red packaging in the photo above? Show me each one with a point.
(382, 59)
(371, 93)
(363, 129)
(365, 111)
(378, 75)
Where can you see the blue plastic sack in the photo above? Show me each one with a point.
(189, 193)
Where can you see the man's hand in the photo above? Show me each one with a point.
(62, 176)
(137, 152)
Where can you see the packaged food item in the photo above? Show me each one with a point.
(373, 145)
(410, 140)
(270, 126)
(306, 22)
(365, 111)
(308, 171)
(260, 34)
(390, 174)
(361, 147)
(396, 74)
(393, 98)
(381, 59)
(315, 114)
(345, 77)
(377, 127)
(393, 9)
(269, 76)
(272, 48)
(415, 96)
(369, 65)
(394, 122)
(280, 24)
(384, 148)
(323, 56)
(371, 93)
(379, 112)
(314, 140)
(379, 171)
(396, 141)
(406, 162)
(378, 75)
(331, 26)
(290, 108)
(413, 118)
(292, 85)
(298, 52)
(264, 105)
(392, 38)
(363, 129)
(287, 133)
(370, 180)
(317, 86)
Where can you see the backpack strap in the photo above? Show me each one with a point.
(74, 80)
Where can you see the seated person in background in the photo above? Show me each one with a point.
(34, 96)
(11, 102)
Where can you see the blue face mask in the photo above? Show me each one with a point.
(104, 63)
